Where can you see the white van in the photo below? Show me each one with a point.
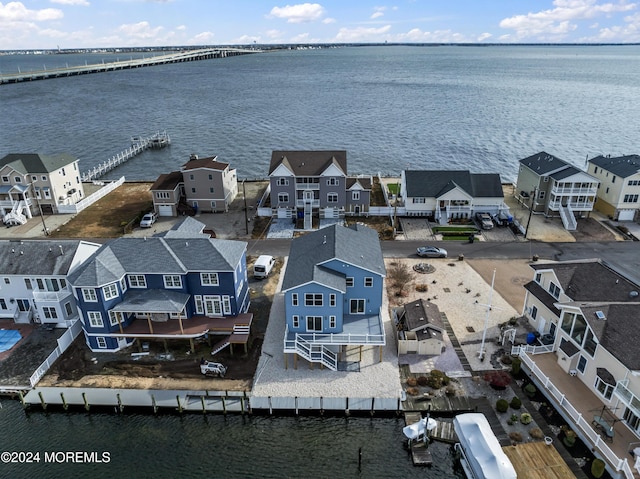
(263, 266)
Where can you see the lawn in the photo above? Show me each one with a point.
(107, 217)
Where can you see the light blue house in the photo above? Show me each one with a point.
(180, 285)
(333, 291)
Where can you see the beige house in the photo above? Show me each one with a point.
(420, 328)
(203, 184)
(589, 313)
(32, 182)
(553, 187)
(619, 192)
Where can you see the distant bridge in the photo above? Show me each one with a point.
(176, 57)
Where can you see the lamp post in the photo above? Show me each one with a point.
(486, 319)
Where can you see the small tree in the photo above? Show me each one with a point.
(399, 276)
(597, 468)
(502, 405)
(498, 379)
(515, 403)
(530, 390)
(516, 364)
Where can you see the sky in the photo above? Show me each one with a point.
(50, 24)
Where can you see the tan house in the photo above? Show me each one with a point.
(553, 187)
(204, 184)
(589, 358)
(420, 328)
(33, 182)
(619, 192)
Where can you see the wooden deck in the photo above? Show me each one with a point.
(536, 460)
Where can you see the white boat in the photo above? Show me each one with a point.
(481, 455)
(417, 430)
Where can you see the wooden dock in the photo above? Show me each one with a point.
(536, 460)
(138, 145)
(175, 57)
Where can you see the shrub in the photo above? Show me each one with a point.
(569, 438)
(422, 288)
(525, 418)
(530, 390)
(413, 382)
(536, 433)
(515, 436)
(450, 391)
(597, 468)
(506, 359)
(516, 365)
(515, 403)
(498, 379)
(413, 391)
(514, 418)
(423, 380)
(502, 405)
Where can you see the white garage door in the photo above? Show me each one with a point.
(165, 210)
(626, 215)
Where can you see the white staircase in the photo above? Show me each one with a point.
(308, 223)
(15, 216)
(316, 353)
(568, 218)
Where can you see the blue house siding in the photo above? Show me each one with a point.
(372, 294)
(303, 311)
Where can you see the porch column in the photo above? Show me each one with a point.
(149, 322)
(118, 315)
(180, 321)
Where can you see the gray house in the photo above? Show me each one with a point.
(420, 328)
(551, 186)
(315, 183)
(203, 184)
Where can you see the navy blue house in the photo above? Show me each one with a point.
(181, 285)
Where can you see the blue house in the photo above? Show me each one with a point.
(333, 291)
(179, 285)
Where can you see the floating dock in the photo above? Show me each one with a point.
(176, 57)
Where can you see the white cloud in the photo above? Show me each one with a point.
(439, 36)
(628, 33)
(203, 37)
(301, 13)
(361, 34)
(554, 24)
(376, 15)
(484, 36)
(181, 28)
(140, 31)
(328, 20)
(17, 12)
(82, 3)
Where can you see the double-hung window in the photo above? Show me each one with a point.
(209, 279)
(137, 281)
(89, 295)
(313, 299)
(172, 281)
(110, 291)
(95, 319)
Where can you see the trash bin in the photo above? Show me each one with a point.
(472, 238)
(531, 338)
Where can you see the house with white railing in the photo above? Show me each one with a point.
(446, 195)
(33, 280)
(33, 184)
(551, 186)
(333, 291)
(588, 357)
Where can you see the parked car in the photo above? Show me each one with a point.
(210, 368)
(485, 220)
(431, 252)
(263, 266)
(148, 219)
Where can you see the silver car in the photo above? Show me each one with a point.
(431, 252)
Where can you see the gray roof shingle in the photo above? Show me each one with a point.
(38, 258)
(623, 166)
(308, 163)
(434, 183)
(543, 163)
(36, 162)
(357, 245)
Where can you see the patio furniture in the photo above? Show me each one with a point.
(606, 428)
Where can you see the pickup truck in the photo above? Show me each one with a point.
(485, 220)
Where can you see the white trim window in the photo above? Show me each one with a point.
(209, 279)
(368, 282)
(110, 291)
(605, 389)
(294, 299)
(314, 324)
(197, 299)
(50, 312)
(113, 318)
(295, 321)
(332, 197)
(172, 281)
(137, 281)
(282, 182)
(333, 182)
(226, 304)
(102, 343)
(332, 322)
(283, 197)
(332, 300)
(123, 284)
(95, 319)
(313, 299)
(554, 290)
(357, 306)
(355, 195)
(89, 295)
(349, 281)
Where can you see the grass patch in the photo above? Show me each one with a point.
(455, 229)
(393, 188)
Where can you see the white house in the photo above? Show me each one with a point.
(33, 280)
(619, 192)
(451, 194)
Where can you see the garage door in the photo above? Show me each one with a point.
(626, 215)
(165, 210)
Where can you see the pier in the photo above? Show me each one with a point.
(138, 145)
(176, 57)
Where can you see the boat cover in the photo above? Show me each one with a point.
(417, 429)
(483, 451)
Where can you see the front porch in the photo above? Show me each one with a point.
(579, 405)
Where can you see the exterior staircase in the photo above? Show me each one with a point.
(316, 353)
(15, 217)
(308, 222)
(568, 218)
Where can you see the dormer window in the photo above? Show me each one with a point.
(554, 290)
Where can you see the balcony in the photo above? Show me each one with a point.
(574, 205)
(574, 191)
(307, 186)
(50, 296)
(579, 404)
(302, 203)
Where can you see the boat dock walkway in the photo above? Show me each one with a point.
(175, 57)
(138, 145)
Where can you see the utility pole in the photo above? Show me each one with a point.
(533, 200)
(246, 213)
(44, 226)
(489, 307)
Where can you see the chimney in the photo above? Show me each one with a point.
(61, 250)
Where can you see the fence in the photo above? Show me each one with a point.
(64, 342)
(89, 200)
(582, 425)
